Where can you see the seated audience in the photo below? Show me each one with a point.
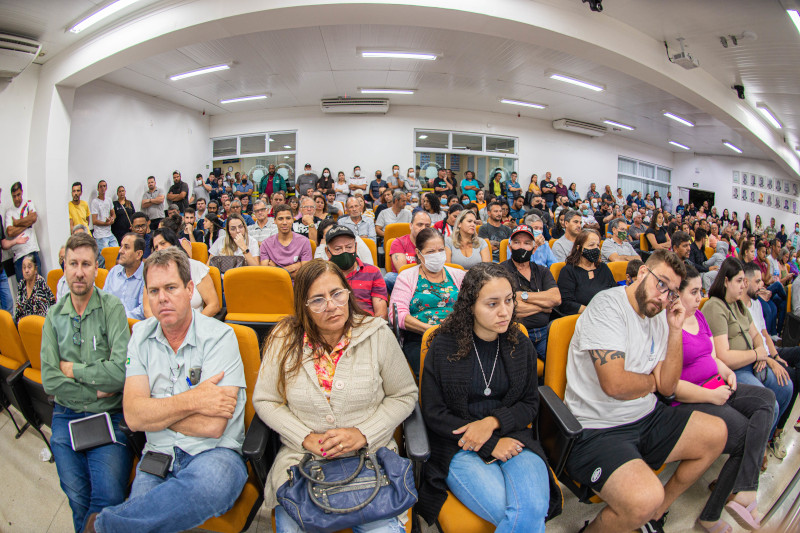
(394, 214)
(445, 226)
(425, 294)
(321, 207)
(360, 225)
(363, 251)
(403, 250)
(611, 384)
(494, 229)
(481, 425)
(195, 419)
(84, 344)
(430, 203)
(584, 275)
(387, 199)
(306, 222)
(464, 248)
(542, 254)
(194, 233)
(174, 222)
(618, 247)
(536, 293)
(710, 386)
(775, 300)
(572, 228)
(213, 228)
(632, 271)
(326, 323)
(34, 297)
(125, 280)
(264, 226)
(204, 296)
(517, 210)
(236, 242)
(365, 280)
(713, 263)
(656, 233)
(286, 249)
(236, 209)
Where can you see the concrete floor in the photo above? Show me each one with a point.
(32, 501)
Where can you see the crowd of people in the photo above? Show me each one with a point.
(675, 383)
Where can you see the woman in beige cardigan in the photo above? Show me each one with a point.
(333, 380)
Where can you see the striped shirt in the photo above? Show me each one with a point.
(367, 283)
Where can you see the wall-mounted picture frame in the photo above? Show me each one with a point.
(736, 176)
(745, 178)
(735, 193)
(762, 182)
(744, 196)
(786, 205)
(795, 188)
(753, 196)
(769, 183)
(768, 201)
(794, 207)
(778, 185)
(761, 198)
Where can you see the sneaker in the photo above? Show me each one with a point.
(655, 526)
(775, 447)
(775, 338)
(797, 425)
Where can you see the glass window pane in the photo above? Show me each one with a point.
(499, 144)
(432, 139)
(664, 174)
(253, 144)
(284, 165)
(626, 166)
(647, 171)
(255, 167)
(465, 141)
(224, 147)
(282, 142)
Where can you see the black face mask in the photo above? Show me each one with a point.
(593, 255)
(521, 255)
(344, 260)
(378, 176)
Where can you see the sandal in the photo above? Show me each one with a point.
(720, 526)
(744, 515)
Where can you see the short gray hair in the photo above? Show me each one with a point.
(533, 218)
(262, 202)
(614, 224)
(397, 194)
(78, 227)
(236, 202)
(163, 258)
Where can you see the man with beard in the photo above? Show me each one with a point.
(611, 384)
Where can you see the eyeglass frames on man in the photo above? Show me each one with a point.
(662, 287)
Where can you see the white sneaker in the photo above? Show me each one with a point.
(775, 338)
(776, 448)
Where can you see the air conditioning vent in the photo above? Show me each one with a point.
(576, 126)
(16, 53)
(355, 105)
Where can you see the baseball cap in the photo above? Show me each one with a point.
(307, 165)
(338, 231)
(522, 228)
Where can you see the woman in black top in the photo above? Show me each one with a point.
(584, 275)
(558, 231)
(480, 400)
(124, 210)
(656, 233)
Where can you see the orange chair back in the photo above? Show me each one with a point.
(789, 298)
(259, 290)
(644, 244)
(702, 302)
(200, 253)
(551, 242)
(216, 277)
(110, 254)
(453, 265)
(504, 250)
(131, 322)
(373, 249)
(30, 332)
(100, 280)
(555, 371)
(387, 245)
(398, 229)
(52, 279)
(618, 269)
(709, 252)
(555, 270)
(313, 247)
(11, 347)
(251, 359)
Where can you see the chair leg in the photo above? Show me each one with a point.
(14, 421)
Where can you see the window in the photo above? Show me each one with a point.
(252, 154)
(224, 147)
(464, 141)
(253, 144)
(638, 175)
(433, 139)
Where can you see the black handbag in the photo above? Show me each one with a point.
(330, 495)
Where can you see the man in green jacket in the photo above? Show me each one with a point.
(84, 346)
(271, 182)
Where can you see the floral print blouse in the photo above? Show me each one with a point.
(325, 363)
(433, 302)
(39, 302)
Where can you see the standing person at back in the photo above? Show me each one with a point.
(178, 193)
(78, 209)
(19, 221)
(470, 186)
(153, 203)
(494, 229)
(396, 213)
(306, 181)
(103, 216)
(572, 226)
(548, 188)
(357, 183)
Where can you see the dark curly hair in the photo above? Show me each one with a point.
(459, 324)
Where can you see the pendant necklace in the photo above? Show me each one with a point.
(488, 390)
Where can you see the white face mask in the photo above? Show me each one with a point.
(395, 172)
(412, 175)
(326, 174)
(435, 261)
(357, 173)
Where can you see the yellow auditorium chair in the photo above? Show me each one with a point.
(644, 244)
(110, 254)
(702, 302)
(504, 250)
(257, 295)
(313, 247)
(393, 231)
(12, 356)
(618, 269)
(555, 269)
(373, 249)
(100, 280)
(387, 245)
(216, 277)
(131, 322)
(789, 298)
(709, 252)
(200, 253)
(52, 279)
(551, 242)
(557, 429)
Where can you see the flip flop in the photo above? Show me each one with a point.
(744, 515)
(720, 526)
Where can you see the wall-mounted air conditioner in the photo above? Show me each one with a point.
(16, 53)
(576, 126)
(355, 105)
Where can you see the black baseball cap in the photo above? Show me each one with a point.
(338, 231)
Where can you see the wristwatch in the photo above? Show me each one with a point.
(247, 250)
(524, 296)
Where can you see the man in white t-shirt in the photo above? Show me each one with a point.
(19, 220)
(103, 215)
(357, 182)
(611, 386)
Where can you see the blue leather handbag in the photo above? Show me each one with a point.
(330, 495)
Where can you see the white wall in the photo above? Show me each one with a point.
(378, 141)
(715, 173)
(124, 136)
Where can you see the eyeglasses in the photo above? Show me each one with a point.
(320, 303)
(76, 335)
(139, 226)
(662, 288)
(262, 210)
(350, 248)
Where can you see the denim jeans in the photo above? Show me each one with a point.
(6, 301)
(105, 242)
(390, 278)
(513, 495)
(285, 524)
(18, 266)
(779, 299)
(96, 478)
(198, 487)
(748, 413)
(538, 337)
(783, 393)
(770, 312)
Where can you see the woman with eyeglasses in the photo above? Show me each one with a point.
(236, 242)
(294, 204)
(333, 380)
(584, 275)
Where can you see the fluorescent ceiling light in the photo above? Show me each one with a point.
(732, 146)
(103, 13)
(795, 16)
(676, 118)
(679, 145)
(423, 137)
(576, 81)
(197, 72)
(245, 98)
(769, 115)
(522, 103)
(619, 125)
(396, 54)
(387, 91)
(286, 157)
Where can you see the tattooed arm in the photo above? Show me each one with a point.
(618, 382)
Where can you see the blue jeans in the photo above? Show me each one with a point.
(18, 266)
(6, 301)
(783, 393)
(770, 312)
(514, 496)
(538, 337)
(104, 242)
(94, 479)
(198, 487)
(390, 278)
(285, 524)
(779, 299)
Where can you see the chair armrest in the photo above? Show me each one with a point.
(558, 428)
(17, 374)
(416, 436)
(260, 447)
(136, 439)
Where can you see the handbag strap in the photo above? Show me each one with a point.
(741, 329)
(361, 505)
(362, 458)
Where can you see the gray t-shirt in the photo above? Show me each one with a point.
(644, 343)
(494, 233)
(387, 217)
(611, 247)
(459, 259)
(306, 182)
(562, 247)
(154, 211)
(198, 191)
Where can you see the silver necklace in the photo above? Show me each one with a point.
(488, 390)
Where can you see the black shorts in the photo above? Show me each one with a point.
(599, 452)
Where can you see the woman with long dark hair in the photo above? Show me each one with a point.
(212, 226)
(656, 233)
(479, 400)
(584, 275)
(124, 210)
(431, 205)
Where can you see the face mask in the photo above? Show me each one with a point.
(395, 172)
(537, 233)
(326, 174)
(465, 202)
(344, 260)
(593, 255)
(586, 211)
(378, 176)
(435, 261)
(521, 255)
(357, 173)
(443, 202)
(412, 174)
(623, 235)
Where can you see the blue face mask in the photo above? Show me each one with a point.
(443, 201)
(537, 233)
(465, 202)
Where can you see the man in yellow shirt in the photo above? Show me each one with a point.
(78, 209)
